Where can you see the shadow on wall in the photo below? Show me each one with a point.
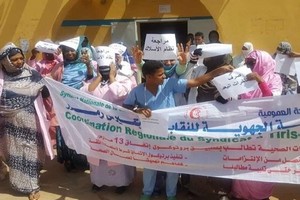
(70, 24)
(98, 19)
(10, 19)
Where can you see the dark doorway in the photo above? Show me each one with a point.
(179, 28)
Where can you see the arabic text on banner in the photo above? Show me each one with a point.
(254, 139)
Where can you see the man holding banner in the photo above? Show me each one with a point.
(157, 93)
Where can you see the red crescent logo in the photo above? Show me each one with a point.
(195, 113)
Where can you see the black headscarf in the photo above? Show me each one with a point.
(208, 91)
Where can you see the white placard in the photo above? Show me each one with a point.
(160, 47)
(215, 49)
(192, 48)
(119, 48)
(230, 85)
(72, 43)
(284, 64)
(24, 44)
(46, 47)
(104, 55)
(297, 69)
(155, 123)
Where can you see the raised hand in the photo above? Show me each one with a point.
(112, 73)
(182, 54)
(58, 51)
(254, 76)
(137, 54)
(293, 54)
(85, 58)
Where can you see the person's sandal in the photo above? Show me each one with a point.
(35, 195)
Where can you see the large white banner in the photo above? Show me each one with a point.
(244, 139)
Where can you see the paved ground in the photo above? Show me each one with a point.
(57, 184)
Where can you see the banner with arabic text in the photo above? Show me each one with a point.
(244, 139)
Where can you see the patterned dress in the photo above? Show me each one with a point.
(21, 139)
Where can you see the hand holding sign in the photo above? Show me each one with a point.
(254, 76)
(230, 85)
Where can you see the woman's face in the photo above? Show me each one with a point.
(17, 60)
(70, 54)
(250, 62)
(169, 63)
(48, 56)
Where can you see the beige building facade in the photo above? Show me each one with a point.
(263, 22)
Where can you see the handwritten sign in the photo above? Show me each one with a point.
(119, 48)
(253, 139)
(46, 47)
(104, 55)
(72, 43)
(230, 85)
(160, 47)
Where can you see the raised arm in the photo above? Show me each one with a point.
(182, 59)
(294, 54)
(200, 80)
(137, 54)
(263, 86)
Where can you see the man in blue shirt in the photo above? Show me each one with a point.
(157, 93)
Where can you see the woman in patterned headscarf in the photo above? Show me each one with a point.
(289, 82)
(23, 136)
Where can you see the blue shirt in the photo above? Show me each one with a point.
(164, 98)
(74, 75)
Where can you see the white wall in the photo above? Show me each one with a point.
(127, 31)
(201, 25)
